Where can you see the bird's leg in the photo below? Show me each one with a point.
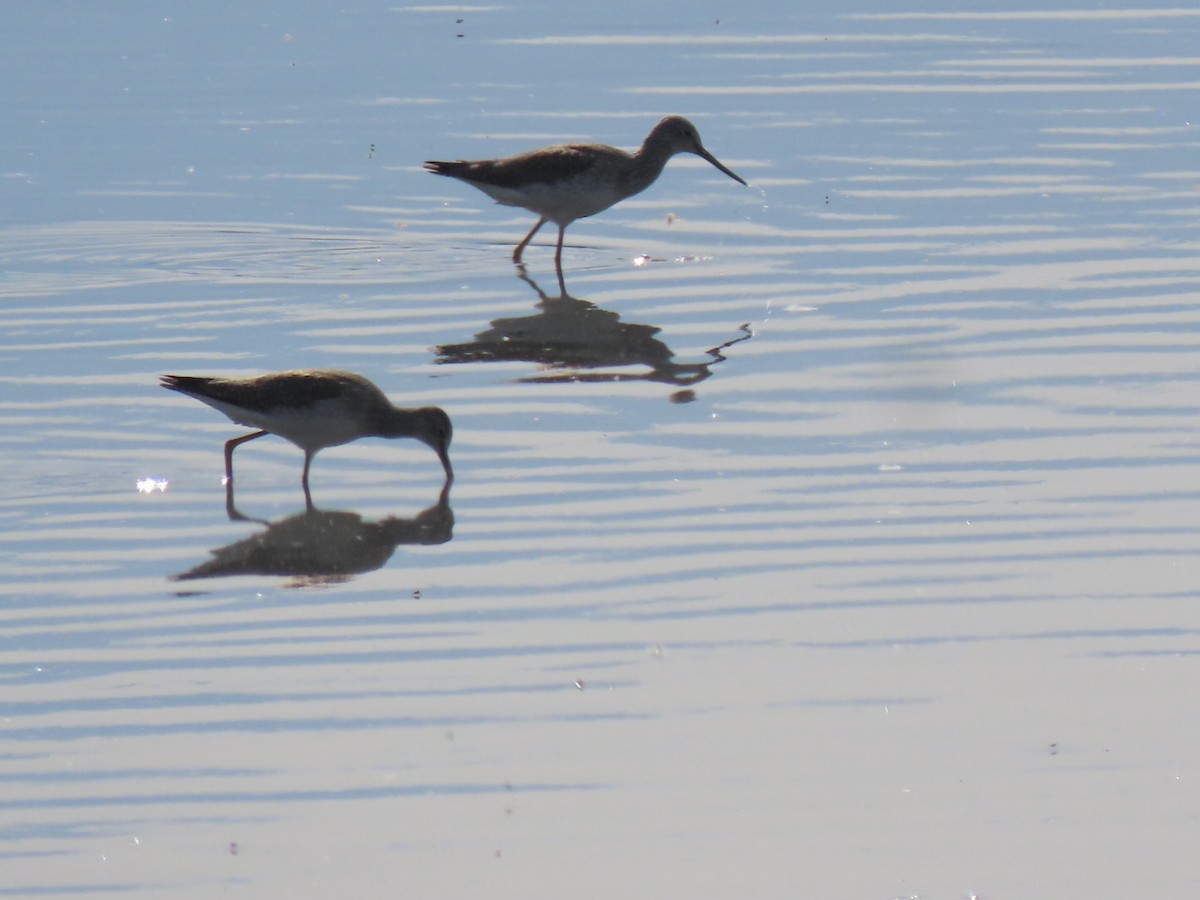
(230, 444)
(308, 504)
(562, 285)
(529, 237)
(235, 515)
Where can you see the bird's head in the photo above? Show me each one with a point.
(675, 134)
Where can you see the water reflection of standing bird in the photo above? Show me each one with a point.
(315, 409)
(571, 334)
(566, 182)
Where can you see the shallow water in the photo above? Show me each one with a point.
(832, 537)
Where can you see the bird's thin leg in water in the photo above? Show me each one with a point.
(529, 237)
(231, 510)
(562, 284)
(308, 504)
(230, 444)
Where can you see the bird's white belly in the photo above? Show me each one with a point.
(561, 202)
(325, 424)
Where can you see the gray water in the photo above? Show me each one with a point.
(833, 537)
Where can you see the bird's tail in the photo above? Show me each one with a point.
(452, 169)
(185, 384)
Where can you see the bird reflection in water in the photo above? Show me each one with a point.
(319, 547)
(569, 333)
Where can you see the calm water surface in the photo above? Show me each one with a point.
(832, 537)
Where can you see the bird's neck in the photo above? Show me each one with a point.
(648, 163)
(396, 423)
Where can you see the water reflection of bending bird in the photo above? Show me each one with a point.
(566, 182)
(315, 409)
(325, 546)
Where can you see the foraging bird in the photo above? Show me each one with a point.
(314, 409)
(566, 182)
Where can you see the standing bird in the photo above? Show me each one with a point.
(566, 182)
(314, 409)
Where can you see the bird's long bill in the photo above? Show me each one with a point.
(444, 456)
(704, 154)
